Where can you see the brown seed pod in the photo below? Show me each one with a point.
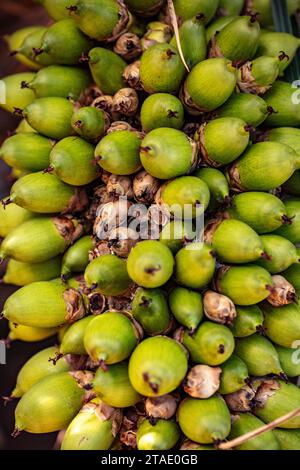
(163, 407)
(118, 186)
(145, 187)
(97, 303)
(89, 95)
(126, 102)
(282, 293)
(128, 46)
(202, 381)
(242, 400)
(100, 249)
(219, 308)
(104, 102)
(120, 126)
(131, 75)
(122, 240)
(109, 216)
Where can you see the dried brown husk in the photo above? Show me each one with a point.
(219, 308)
(241, 401)
(189, 104)
(75, 305)
(282, 293)
(145, 187)
(118, 186)
(202, 381)
(128, 46)
(122, 240)
(247, 83)
(163, 407)
(126, 102)
(131, 75)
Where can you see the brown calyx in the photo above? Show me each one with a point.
(247, 83)
(122, 240)
(84, 380)
(97, 303)
(203, 150)
(106, 413)
(214, 49)
(283, 293)
(202, 381)
(75, 305)
(104, 102)
(242, 400)
(123, 23)
(188, 102)
(163, 407)
(265, 390)
(118, 186)
(78, 202)
(219, 308)
(76, 362)
(211, 228)
(126, 102)
(100, 249)
(220, 274)
(131, 75)
(128, 46)
(234, 179)
(145, 187)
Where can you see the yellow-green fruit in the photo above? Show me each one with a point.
(32, 43)
(29, 334)
(217, 185)
(289, 439)
(192, 36)
(109, 274)
(195, 265)
(175, 233)
(15, 40)
(284, 99)
(293, 184)
(27, 151)
(282, 324)
(230, 7)
(57, 9)
(11, 217)
(244, 423)
(161, 435)
(107, 69)
(150, 309)
(162, 110)
(249, 320)
(272, 43)
(293, 274)
(281, 251)
(24, 127)
(145, 8)
(285, 135)
(217, 25)
(292, 232)
(234, 375)
(21, 274)
(90, 123)
(250, 108)
(76, 259)
(290, 360)
(186, 306)
(12, 95)
(186, 9)
(72, 341)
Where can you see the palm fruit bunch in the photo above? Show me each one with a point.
(163, 337)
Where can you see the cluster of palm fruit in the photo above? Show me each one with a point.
(170, 342)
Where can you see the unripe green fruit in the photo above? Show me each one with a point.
(57, 9)
(204, 421)
(289, 360)
(22, 274)
(161, 435)
(175, 234)
(292, 232)
(234, 375)
(217, 25)
(212, 344)
(285, 135)
(76, 258)
(114, 388)
(169, 69)
(282, 324)
(166, 153)
(272, 43)
(50, 116)
(249, 320)
(90, 123)
(244, 285)
(157, 366)
(72, 341)
(264, 9)
(230, 7)
(250, 108)
(258, 76)
(33, 43)
(12, 216)
(109, 273)
(195, 266)
(289, 439)
(29, 334)
(162, 110)
(186, 9)
(293, 274)
(15, 96)
(150, 264)
(186, 306)
(15, 40)
(284, 100)
(292, 186)
(282, 252)
(217, 185)
(244, 423)
(24, 127)
(193, 40)
(28, 151)
(150, 309)
(145, 8)
(107, 69)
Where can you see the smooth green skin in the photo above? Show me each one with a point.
(193, 41)
(89, 123)
(73, 161)
(42, 193)
(34, 41)
(163, 435)
(170, 153)
(24, 127)
(142, 7)
(34, 241)
(110, 337)
(118, 153)
(244, 423)
(11, 217)
(282, 325)
(186, 9)
(109, 273)
(235, 242)
(206, 343)
(282, 251)
(107, 69)
(247, 321)
(26, 151)
(22, 274)
(72, 341)
(76, 259)
(156, 112)
(289, 360)
(204, 421)
(218, 72)
(289, 439)
(150, 264)
(114, 387)
(292, 186)
(293, 274)
(263, 212)
(175, 233)
(282, 402)
(250, 108)
(187, 307)
(259, 355)
(234, 375)
(15, 40)
(36, 368)
(265, 70)
(42, 409)
(286, 135)
(57, 9)
(163, 360)
(169, 69)
(271, 43)
(266, 166)
(97, 19)
(50, 116)
(265, 11)
(195, 266)
(246, 285)
(216, 182)
(292, 232)
(15, 96)
(40, 304)
(29, 334)
(150, 309)
(217, 25)
(280, 97)
(231, 7)
(60, 80)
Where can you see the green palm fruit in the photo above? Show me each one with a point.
(107, 69)
(94, 428)
(28, 151)
(72, 160)
(162, 110)
(292, 232)
(15, 41)
(114, 388)
(150, 309)
(12, 216)
(176, 233)
(238, 40)
(289, 439)
(204, 421)
(282, 324)
(145, 8)
(244, 285)
(186, 9)
(32, 43)
(258, 76)
(90, 123)
(217, 185)
(57, 9)
(118, 153)
(198, 95)
(292, 274)
(13, 97)
(111, 337)
(289, 360)
(249, 320)
(230, 7)
(285, 135)
(195, 265)
(263, 7)
(192, 36)
(36, 368)
(211, 344)
(272, 43)
(263, 212)
(50, 116)
(42, 409)
(150, 264)
(292, 186)
(169, 69)
(156, 32)
(76, 258)
(24, 127)
(109, 274)
(263, 167)
(274, 399)
(21, 274)
(217, 25)
(234, 375)
(281, 251)
(72, 341)
(29, 334)
(166, 153)
(244, 423)
(29, 304)
(157, 366)
(187, 307)
(40, 239)
(250, 108)
(161, 435)
(283, 98)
